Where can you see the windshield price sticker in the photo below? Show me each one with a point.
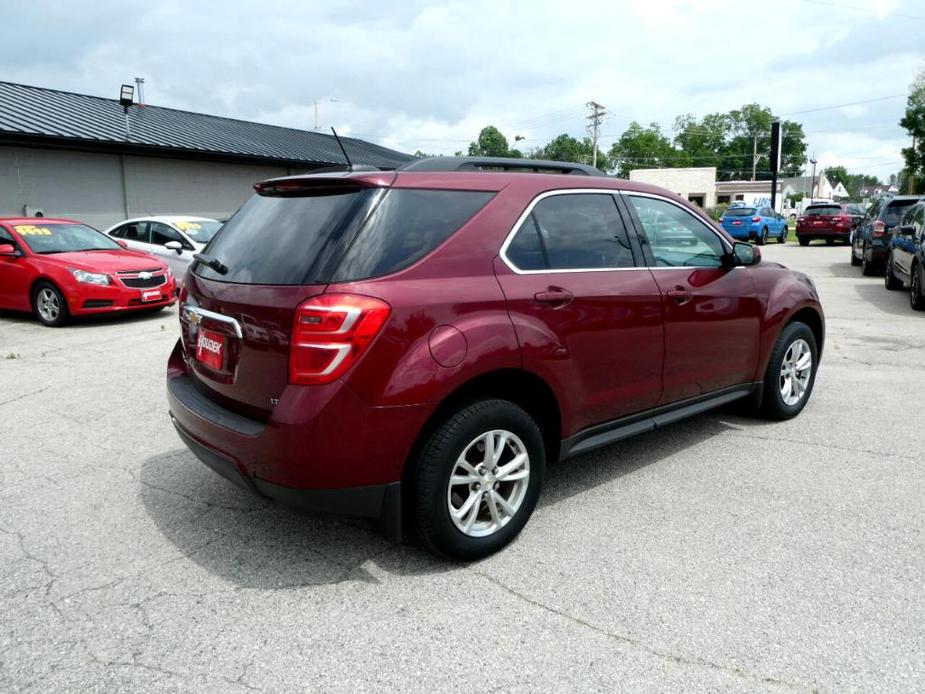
(32, 230)
(188, 226)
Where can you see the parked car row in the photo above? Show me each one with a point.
(904, 262)
(59, 268)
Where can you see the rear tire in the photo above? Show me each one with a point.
(804, 241)
(829, 241)
(868, 268)
(916, 287)
(789, 380)
(890, 280)
(454, 475)
(49, 305)
(763, 238)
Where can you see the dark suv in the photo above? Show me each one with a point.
(415, 346)
(870, 242)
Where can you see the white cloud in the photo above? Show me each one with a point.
(417, 75)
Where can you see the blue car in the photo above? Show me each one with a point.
(756, 224)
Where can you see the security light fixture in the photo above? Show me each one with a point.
(126, 95)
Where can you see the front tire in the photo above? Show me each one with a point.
(49, 305)
(791, 373)
(890, 280)
(477, 480)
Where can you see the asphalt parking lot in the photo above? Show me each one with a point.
(721, 554)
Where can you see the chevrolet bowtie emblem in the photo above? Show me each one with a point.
(193, 318)
(144, 275)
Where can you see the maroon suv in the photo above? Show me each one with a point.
(415, 345)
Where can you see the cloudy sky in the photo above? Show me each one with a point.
(429, 75)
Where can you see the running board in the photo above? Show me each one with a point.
(619, 429)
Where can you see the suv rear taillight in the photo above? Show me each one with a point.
(879, 228)
(842, 221)
(756, 219)
(330, 332)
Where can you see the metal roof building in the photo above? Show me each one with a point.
(81, 156)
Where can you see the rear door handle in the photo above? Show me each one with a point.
(680, 295)
(555, 296)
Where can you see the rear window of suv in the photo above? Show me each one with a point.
(740, 212)
(823, 210)
(299, 239)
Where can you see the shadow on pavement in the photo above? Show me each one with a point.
(79, 322)
(254, 544)
(895, 303)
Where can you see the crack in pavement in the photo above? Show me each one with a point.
(24, 395)
(629, 641)
(815, 444)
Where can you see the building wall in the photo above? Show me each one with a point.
(700, 181)
(103, 189)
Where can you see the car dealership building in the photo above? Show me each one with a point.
(87, 158)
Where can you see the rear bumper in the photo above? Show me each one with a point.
(323, 449)
(744, 232)
(379, 501)
(844, 234)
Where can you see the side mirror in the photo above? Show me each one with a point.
(907, 230)
(744, 254)
(174, 246)
(8, 249)
(121, 243)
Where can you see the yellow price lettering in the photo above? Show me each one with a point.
(32, 230)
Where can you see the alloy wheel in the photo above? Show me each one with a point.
(488, 483)
(795, 372)
(47, 304)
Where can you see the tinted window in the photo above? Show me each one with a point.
(136, 231)
(161, 234)
(524, 251)
(740, 212)
(118, 232)
(822, 210)
(279, 240)
(407, 225)
(893, 212)
(676, 238)
(582, 231)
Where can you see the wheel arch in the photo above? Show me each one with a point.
(522, 387)
(811, 317)
(43, 279)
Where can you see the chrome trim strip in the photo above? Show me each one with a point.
(526, 213)
(217, 317)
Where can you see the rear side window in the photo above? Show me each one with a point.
(893, 212)
(576, 231)
(407, 225)
(280, 240)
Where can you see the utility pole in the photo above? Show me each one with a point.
(594, 125)
(754, 155)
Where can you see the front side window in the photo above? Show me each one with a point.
(161, 234)
(573, 231)
(675, 237)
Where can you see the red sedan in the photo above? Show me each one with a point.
(58, 268)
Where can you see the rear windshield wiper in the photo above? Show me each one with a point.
(211, 262)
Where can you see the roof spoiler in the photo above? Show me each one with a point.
(435, 164)
(327, 178)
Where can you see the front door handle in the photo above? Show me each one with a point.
(680, 295)
(555, 296)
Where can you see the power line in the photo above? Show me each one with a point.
(851, 103)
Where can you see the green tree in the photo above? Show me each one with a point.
(567, 148)
(914, 123)
(642, 148)
(836, 175)
(491, 143)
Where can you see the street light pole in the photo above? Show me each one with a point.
(812, 190)
(315, 102)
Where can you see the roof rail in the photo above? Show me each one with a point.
(433, 164)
